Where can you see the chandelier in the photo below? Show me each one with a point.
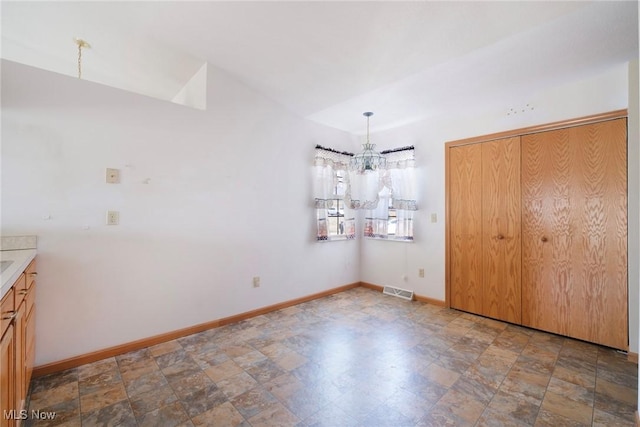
(368, 160)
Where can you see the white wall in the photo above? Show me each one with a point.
(384, 263)
(208, 200)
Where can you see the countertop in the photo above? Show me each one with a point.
(21, 259)
(21, 251)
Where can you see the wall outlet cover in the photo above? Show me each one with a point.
(113, 217)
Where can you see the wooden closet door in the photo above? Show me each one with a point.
(574, 197)
(465, 227)
(501, 247)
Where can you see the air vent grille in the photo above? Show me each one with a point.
(397, 292)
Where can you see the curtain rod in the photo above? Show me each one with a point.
(395, 150)
(331, 150)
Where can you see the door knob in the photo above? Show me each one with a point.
(544, 239)
(500, 237)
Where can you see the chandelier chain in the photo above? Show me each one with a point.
(81, 43)
(79, 60)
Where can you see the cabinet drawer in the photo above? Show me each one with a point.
(7, 309)
(32, 274)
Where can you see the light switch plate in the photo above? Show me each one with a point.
(113, 176)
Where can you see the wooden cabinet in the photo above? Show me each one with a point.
(7, 358)
(484, 213)
(537, 229)
(574, 187)
(7, 376)
(30, 323)
(17, 344)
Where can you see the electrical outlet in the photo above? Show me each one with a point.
(434, 217)
(113, 176)
(256, 282)
(421, 272)
(113, 217)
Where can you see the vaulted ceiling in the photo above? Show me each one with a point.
(327, 60)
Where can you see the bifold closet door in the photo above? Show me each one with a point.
(484, 228)
(501, 229)
(465, 227)
(574, 232)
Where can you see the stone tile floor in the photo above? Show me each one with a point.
(357, 358)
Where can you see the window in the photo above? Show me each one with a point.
(335, 220)
(392, 218)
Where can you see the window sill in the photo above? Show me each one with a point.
(335, 239)
(389, 239)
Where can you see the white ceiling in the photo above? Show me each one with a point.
(330, 61)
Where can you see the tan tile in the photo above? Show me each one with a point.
(537, 358)
(284, 386)
(571, 391)
(99, 381)
(91, 369)
(51, 397)
(138, 369)
(529, 384)
(223, 371)
(74, 422)
(604, 419)
(252, 402)
(290, 360)
(170, 415)
(151, 400)
(118, 414)
(461, 406)
(164, 348)
(505, 355)
(617, 392)
(103, 397)
(224, 415)
(249, 359)
(187, 385)
(237, 384)
(274, 415)
(408, 404)
(584, 379)
(493, 418)
(275, 350)
(551, 419)
(145, 383)
(236, 350)
(65, 413)
(440, 375)
(514, 408)
(483, 336)
(564, 406)
(441, 368)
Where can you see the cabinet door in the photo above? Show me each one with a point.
(21, 351)
(7, 379)
(465, 227)
(501, 232)
(574, 198)
(30, 339)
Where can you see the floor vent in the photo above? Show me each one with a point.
(397, 292)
